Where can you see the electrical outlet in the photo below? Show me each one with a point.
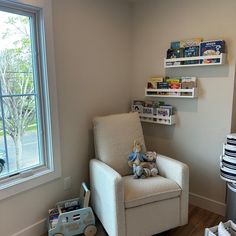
(67, 183)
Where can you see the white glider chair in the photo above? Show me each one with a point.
(127, 206)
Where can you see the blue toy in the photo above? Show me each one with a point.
(143, 165)
(136, 154)
(136, 158)
(72, 217)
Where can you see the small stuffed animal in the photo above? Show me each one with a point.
(151, 163)
(139, 172)
(136, 160)
(144, 165)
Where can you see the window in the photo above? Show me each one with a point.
(25, 124)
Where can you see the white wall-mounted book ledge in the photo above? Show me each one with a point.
(164, 120)
(174, 93)
(196, 61)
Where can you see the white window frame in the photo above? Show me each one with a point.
(33, 178)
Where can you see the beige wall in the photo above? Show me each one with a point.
(203, 123)
(93, 59)
(92, 56)
(92, 51)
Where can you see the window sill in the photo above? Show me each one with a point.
(19, 185)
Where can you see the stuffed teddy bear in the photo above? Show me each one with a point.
(151, 163)
(143, 165)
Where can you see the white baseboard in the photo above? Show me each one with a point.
(207, 203)
(37, 229)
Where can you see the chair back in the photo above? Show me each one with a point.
(114, 137)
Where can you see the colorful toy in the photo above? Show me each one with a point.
(139, 172)
(136, 158)
(72, 217)
(143, 165)
(152, 166)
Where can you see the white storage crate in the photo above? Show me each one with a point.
(229, 226)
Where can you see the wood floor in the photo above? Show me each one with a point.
(199, 219)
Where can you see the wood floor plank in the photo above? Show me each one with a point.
(199, 219)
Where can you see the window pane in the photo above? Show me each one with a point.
(11, 155)
(15, 54)
(20, 121)
(17, 82)
(3, 157)
(21, 130)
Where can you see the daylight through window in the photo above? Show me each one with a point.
(22, 110)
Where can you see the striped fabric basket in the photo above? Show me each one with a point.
(228, 174)
(229, 150)
(231, 139)
(228, 160)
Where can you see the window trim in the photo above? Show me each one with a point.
(47, 84)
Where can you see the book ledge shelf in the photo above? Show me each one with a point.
(165, 120)
(196, 61)
(174, 93)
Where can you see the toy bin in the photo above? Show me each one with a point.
(214, 230)
(231, 202)
(72, 217)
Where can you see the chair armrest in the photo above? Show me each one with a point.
(173, 169)
(178, 172)
(107, 197)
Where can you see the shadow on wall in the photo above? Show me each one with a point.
(91, 151)
(199, 72)
(233, 119)
(159, 138)
(163, 135)
(163, 132)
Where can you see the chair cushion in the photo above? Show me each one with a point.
(143, 191)
(114, 136)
